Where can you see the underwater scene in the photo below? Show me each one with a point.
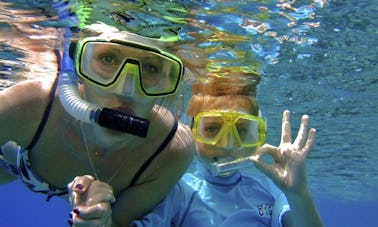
(315, 57)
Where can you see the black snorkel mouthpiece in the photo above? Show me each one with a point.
(123, 122)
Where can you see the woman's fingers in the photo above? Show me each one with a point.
(80, 184)
(78, 189)
(97, 215)
(98, 211)
(94, 206)
(100, 192)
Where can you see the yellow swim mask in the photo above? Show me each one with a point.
(106, 63)
(229, 129)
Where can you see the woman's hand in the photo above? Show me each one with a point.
(91, 202)
(288, 167)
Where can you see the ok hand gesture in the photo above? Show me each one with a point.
(288, 167)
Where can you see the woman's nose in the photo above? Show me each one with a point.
(126, 83)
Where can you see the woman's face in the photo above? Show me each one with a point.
(117, 76)
(137, 105)
(117, 83)
(106, 62)
(128, 69)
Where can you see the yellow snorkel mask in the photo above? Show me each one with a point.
(124, 65)
(241, 130)
(120, 62)
(230, 131)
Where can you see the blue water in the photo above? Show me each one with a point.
(21, 207)
(329, 72)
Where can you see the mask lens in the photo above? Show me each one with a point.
(248, 131)
(160, 74)
(103, 62)
(100, 62)
(208, 128)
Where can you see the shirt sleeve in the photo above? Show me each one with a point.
(280, 207)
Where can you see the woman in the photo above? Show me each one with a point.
(109, 127)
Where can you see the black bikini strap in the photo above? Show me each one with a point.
(160, 149)
(45, 116)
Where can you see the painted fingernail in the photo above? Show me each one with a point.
(70, 215)
(70, 222)
(79, 186)
(76, 211)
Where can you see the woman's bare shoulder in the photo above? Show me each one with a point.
(180, 149)
(183, 137)
(182, 141)
(21, 107)
(22, 93)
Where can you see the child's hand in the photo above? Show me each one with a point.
(288, 168)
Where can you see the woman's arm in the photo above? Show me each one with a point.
(21, 108)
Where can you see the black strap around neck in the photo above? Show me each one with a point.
(158, 151)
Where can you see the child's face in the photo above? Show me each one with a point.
(227, 135)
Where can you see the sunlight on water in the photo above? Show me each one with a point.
(25, 44)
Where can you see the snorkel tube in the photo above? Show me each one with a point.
(224, 168)
(89, 112)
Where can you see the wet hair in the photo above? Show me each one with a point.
(103, 30)
(229, 84)
(234, 91)
(203, 103)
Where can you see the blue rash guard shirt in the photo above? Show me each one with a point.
(200, 199)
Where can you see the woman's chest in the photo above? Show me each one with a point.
(59, 160)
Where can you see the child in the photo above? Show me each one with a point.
(229, 134)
